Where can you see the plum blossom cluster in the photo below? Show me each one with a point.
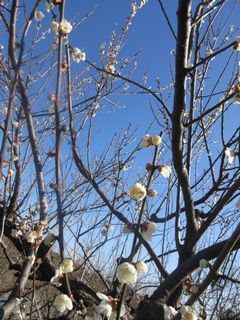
(49, 6)
(110, 67)
(149, 141)
(78, 55)
(164, 169)
(127, 273)
(64, 27)
(66, 266)
(186, 312)
(147, 229)
(31, 235)
(107, 309)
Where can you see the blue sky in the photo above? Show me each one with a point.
(152, 40)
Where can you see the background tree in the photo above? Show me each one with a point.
(122, 224)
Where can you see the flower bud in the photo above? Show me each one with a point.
(152, 193)
(127, 273)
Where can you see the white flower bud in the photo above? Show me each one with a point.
(49, 6)
(164, 170)
(147, 229)
(56, 280)
(137, 191)
(104, 309)
(230, 154)
(146, 141)
(66, 266)
(110, 68)
(55, 26)
(141, 267)
(152, 193)
(127, 273)
(156, 140)
(39, 16)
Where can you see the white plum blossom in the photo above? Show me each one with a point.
(107, 308)
(16, 233)
(104, 308)
(147, 229)
(141, 267)
(188, 313)
(78, 55)
(39, 16)
(62, 302)
(49, 6)
(203, 263)
(127, 273)
(127, 228)
(55, 26)
(156, 140)
(169, 312)
(110, 68)
(164, 170)
(137, 191)
(56, 279)
(65, 26)
(32, 236)
(230, 154)
(146, 141)
(66, 266)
